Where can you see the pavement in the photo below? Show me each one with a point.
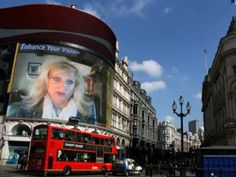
(11, 171)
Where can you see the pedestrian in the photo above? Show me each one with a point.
(24, 161)
(19, 159)
(16, 157)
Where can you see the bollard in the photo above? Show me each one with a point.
(146, 170)
(150, 171)
(175, 166)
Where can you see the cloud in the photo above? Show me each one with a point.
(53, 2)
(199, 96)
(120, 8)
(91, 10)
(151, 67)
(167, 11)
(153, 86)
(138, 6)
(169, 118)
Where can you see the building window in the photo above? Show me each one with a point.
(143, 115)
(135, 111)
(234, 68)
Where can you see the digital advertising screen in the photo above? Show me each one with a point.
(56, 82)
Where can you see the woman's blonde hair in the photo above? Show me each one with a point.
(39, 89)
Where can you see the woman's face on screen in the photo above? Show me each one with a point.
(61, 86)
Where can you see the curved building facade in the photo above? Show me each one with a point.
(33, 35)
(218, 93)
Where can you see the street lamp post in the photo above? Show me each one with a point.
(181, 115)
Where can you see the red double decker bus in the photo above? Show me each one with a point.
(58, 149)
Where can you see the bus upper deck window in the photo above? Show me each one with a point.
(78, 137)
(107, 142)
(57, 134)
(69, 136)
(102, 141)
(96, 140)
(87, 138)
(40, 133)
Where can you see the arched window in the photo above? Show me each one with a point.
(21, 130)
(118, 142)
(123, 143)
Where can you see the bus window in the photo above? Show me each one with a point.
(78, 157)
(38, 150)
(102, 141)
(107, 142)
(78, 137)
(96, 140)
(71, 156)
(89, 157)
(61, 155)
(112, 142)
(57, 134)
(100, 152)
(69, 136)
(40, 133)
(87, 138)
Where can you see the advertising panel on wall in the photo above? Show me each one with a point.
(56, 82)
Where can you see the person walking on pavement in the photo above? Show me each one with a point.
(19, 159)
(24, 161)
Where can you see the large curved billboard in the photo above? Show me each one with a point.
(62, 65)
(57, 82)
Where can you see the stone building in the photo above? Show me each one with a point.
(167, 135)
(144, 127)
(134, 121)
(121, 119)
(219, 93)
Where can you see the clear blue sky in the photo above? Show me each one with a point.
(164, 41)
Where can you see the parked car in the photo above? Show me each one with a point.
(126, 166)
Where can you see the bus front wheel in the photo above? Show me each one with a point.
(67, 171)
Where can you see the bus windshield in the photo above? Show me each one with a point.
(40, 133)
